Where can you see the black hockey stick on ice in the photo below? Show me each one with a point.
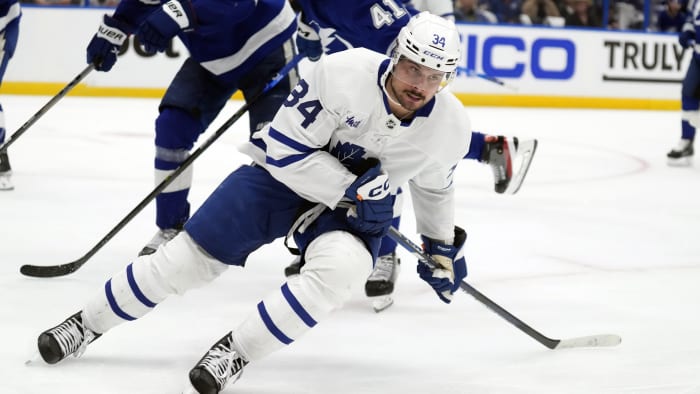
(51, 271)
(587, 341)
(47, 107)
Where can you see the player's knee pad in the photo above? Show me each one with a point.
(176, 267)
(336, 263)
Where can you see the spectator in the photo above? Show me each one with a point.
(467, 11)
(443, 8)
(103, 3)
(537, 12)
(583, 15)
(53, 2)
(628, 14)
(672, 17)
(507, 11)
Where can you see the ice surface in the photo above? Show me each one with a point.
(602, 238)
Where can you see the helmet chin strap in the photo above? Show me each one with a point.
(395, 101)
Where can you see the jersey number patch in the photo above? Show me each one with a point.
(380, 16)
(308, 109)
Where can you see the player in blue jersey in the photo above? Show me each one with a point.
(10, 14)
(351, 131)
(689, 37)
(324, 27)
(443, 8)
(232, 45)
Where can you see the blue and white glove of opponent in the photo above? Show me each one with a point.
(374, 203)
(308, 41)
(156, 31)
(104, 47)
(446, 278)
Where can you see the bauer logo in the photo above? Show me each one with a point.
(503, 56)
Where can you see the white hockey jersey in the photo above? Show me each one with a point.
(339, 114)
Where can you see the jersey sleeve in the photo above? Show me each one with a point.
(432, 194)
(433, 189)
(296, 143)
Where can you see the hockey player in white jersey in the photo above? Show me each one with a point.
(323, 28)
(351, 131)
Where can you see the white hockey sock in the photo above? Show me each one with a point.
(336, 263)
(175, 268)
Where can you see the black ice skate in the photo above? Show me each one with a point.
(69, 337)
(5, 172)
(161, 237)
(380, 283)
(682, 154)
(221, 365)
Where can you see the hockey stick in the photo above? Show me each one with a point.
(587, 341)
(47, 107)
(51, 271)
(473, 73)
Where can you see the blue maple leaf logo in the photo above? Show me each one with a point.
(350, 155)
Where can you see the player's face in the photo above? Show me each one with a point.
(414, 84)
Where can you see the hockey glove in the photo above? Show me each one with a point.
(374, 204)
(446, 278)
(308, 41)
(498, 153)
(687, 36)
(163, 24)
(105, 44)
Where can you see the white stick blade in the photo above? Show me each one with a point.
(590, 341)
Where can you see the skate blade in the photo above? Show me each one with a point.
(381, 303)
(682, 162)
(189, 389)
(34, 359)
(6, 185)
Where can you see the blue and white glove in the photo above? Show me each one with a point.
(687, 35)
(156, 31)
(445, 279)
(308, 41)
(374, 203)
(104, 47)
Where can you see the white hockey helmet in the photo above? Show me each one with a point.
(431, 41)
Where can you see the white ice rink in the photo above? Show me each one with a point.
(603, 237)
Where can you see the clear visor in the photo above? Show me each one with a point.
(421, 77)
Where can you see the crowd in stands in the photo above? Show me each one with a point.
(665, 15)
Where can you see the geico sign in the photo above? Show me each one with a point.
(560, 52)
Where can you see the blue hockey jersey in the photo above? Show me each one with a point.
(345, 24)
(227, 37)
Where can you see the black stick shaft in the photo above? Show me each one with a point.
(47, 107)
(522, 326)
(65, 269)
